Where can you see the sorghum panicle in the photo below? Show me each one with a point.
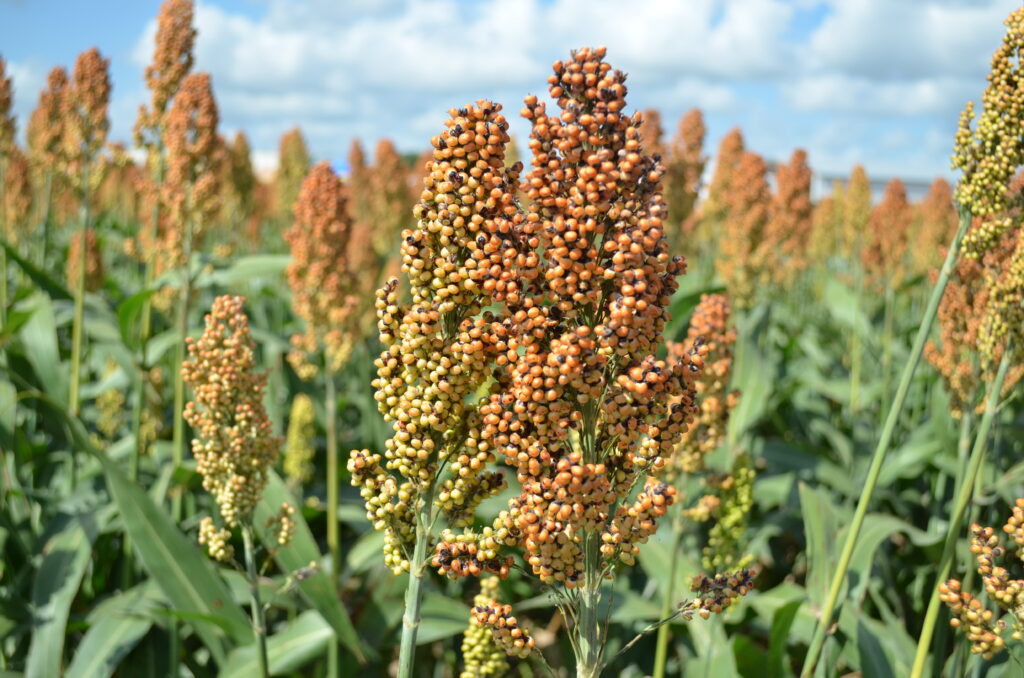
(17, 196)
(191, 187)
(234, 445)
(791, 217)
(748, 248)
(856, 212)
(85, 116)
(508, 635)
(684, 166)
(7, 123)
(980, 625)
(715, 209)
(172, 61)
(293, 163)
(94, 273)
(885, 240)
(936, 221)
(480, 655)
(46, 125)
(319, 272)
(711, 328)
(730, 516)
(990, 154)
(651, 133)
(298, 448)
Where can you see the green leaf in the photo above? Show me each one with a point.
(316, 589)
(184, 574)
(41, 278)
(65, 557)
(128, 314)
(441, 617)
(782, 622)
(247, 268)
(39, 336)
(117, 626)
(753, 377)
(302, 641)
(821, 523)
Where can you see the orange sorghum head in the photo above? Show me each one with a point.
(172, 61)
(885, 240)
(711, 328)
(684, 166)
(191, 187)
(17, 196)
(990, 154)
(716, 206)
(234, 446)
(936, 222)
(46, 125)
(747, 255)
(651, 133)
(508, 635)
(94, 273)
(7, 123)
(319, 273)
(85, 114)
(480, 655)
(791, 217)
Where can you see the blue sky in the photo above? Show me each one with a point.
(879, 82)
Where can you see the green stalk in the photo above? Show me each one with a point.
(414, 590)
(963, 498)
(588, 631)
(79, 317)
(178, 438)
(333, 534)
(44, 241)
(259, 625)
(839, 576)
(661, 649)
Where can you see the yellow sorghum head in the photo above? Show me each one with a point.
(990, 154)
(216, 540)
(481, 657)
(293, 163)
(111, 406)
(282, 524)
(731, 517)
(234, 446)
(715, 209)
(856, 212)
(319, 274)
(298, 449)
(94, 273)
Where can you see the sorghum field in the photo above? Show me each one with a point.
(599, 402)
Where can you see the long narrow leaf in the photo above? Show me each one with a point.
(289, 650)
(118, 625)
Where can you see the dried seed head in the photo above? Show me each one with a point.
(791, 217)
(508, 635)
(234, 446)
(885, 241)
(94, 273)
(748, 249)
(684, 166)
(715, 209)
(17, 196)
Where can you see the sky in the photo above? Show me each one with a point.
(875, 82)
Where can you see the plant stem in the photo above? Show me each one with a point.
(77, 329)
(588, 631)
(963, 498)
(178, 438)
(661, 649)
(333, 534)
(259, 625)
(414, 590)
(875, 469)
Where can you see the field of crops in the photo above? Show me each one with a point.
(599, 402)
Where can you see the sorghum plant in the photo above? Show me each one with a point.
(980, 626)
(85, 135)
(481, 654)
(935, 220)
(293, 163)
(45, 134)
(886, 238)
(856, 214)
(684, 166)
(18, 198)
(791, 217)
(92, 258)
(7, 150)
(234, 446)
(748, 250)
(713, 212)
(298, 449)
